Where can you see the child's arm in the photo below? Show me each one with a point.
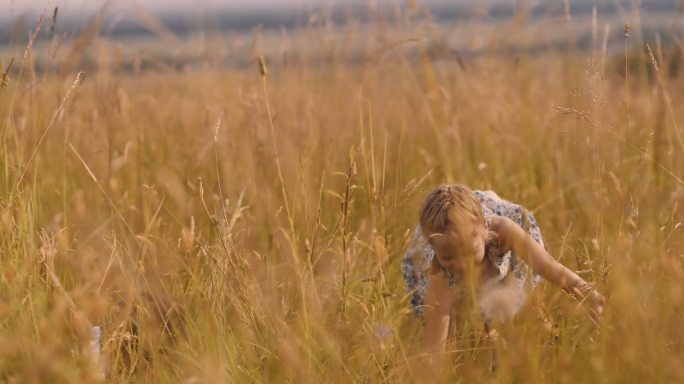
(439, 298)
(513, 237)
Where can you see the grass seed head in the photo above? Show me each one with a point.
(262, 66)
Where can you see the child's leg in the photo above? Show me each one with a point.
(496, 341)
(492, 335)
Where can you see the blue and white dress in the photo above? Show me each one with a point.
(513, 272)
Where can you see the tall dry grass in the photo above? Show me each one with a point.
(238, 225)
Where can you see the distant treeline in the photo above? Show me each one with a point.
(17, 30)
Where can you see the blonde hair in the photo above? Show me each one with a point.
(451, 206)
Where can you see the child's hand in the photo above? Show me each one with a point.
(597, 301)
(590, 295)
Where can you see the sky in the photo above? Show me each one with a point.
(77, 6)
(8, 7)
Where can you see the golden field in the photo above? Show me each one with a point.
(245, 223)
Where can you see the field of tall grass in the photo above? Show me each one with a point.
(246, 224)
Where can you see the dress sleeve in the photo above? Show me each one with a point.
(414, 267)
(533, 227)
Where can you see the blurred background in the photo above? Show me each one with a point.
(180, 34)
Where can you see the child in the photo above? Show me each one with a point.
(477, 239)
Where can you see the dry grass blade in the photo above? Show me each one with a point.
(55, 115)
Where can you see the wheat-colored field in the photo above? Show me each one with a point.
(245, 224)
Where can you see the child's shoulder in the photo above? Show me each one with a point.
(492, 203)
(486, 194)
(490, 196)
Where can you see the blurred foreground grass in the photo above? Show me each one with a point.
(218, 233)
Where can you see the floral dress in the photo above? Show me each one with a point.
(513, 272)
